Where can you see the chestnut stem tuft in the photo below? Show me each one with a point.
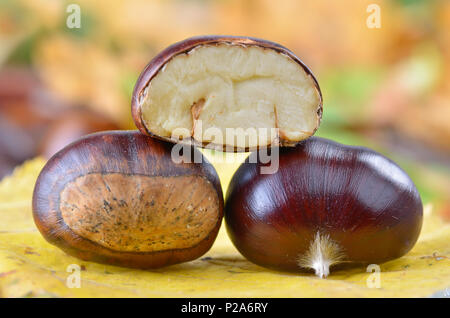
(322, 253)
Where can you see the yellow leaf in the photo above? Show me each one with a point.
(31, 267)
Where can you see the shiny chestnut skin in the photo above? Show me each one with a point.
(117, 198)
(159, 62)
(354, 203)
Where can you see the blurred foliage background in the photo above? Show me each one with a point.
(387, 88)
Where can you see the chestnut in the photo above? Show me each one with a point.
(118, 198)
(227, 93)
(327, 204)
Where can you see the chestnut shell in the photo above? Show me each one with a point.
(362, 200)
(184, 46)
(127, 154)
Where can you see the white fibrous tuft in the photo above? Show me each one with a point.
(322, 253)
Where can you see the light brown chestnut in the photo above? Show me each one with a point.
(118, 198)
(228, 93)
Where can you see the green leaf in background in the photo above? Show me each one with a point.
(346, 91)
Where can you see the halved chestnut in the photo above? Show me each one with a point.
(227, 93)
(119, 198)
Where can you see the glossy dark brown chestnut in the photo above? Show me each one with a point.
(327, 204)
(227, 93)
(118, 198)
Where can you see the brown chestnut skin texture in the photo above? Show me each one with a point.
(362, 201)
(117, 198)
(158, 62)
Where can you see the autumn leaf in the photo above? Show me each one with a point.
(31, 267)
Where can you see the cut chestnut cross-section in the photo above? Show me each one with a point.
(227, 93)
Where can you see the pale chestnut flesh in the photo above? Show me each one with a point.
(228, 94)
(118, 198)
